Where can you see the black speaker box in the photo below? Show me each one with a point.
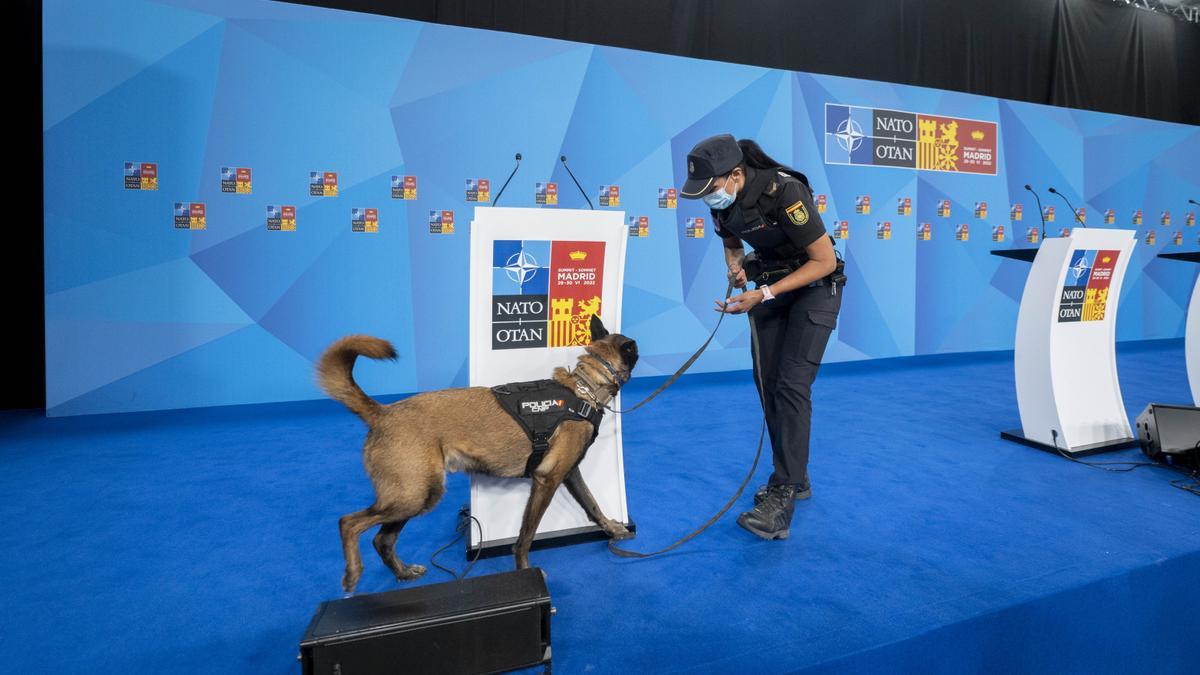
(486, 624)
(1169, 430)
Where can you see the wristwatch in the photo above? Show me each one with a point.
(767, 294)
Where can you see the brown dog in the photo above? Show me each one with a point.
(412, 443)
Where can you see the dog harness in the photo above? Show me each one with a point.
(539, 407)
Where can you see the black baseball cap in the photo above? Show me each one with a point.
(710, 158)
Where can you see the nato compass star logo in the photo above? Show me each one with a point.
(849, 135)
(521, 267)
(1080, 269)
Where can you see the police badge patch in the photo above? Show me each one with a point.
(797, 213)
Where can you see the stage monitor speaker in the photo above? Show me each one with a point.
(1169, 430)
(485, 624)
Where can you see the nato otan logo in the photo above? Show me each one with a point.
(141, 176)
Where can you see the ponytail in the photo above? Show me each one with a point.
(754, 157)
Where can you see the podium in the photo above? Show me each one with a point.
(1065, 352)
(536, 278)
(1191, 340)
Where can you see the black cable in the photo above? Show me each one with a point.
(464, 523)
(1131, 465)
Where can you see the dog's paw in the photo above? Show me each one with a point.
(616, 531)
(411, 572)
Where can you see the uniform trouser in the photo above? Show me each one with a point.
(788, 339)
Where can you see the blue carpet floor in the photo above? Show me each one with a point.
(202, 541)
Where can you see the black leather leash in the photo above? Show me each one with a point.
(612, 546)
(687, 364)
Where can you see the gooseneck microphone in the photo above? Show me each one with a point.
(1073, 211)
(1193, 201)
(1041, 213)
(583, 192)
(514, 172)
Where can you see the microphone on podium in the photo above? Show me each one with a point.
(1073, 211)
(1041, 213)
(510, 177)
(563, 159)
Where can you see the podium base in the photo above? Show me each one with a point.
(1018, 436)
(543, 540)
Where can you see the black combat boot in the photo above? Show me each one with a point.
(772, 518)
(803, 491)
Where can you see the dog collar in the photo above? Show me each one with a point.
(617, 378)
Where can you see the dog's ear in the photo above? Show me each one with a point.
(598, 329)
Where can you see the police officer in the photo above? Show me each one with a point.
(792, 310)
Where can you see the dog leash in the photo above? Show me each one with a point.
(687, 364)
(695, 533)
(624, 553)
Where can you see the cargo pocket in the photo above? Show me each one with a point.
(820, 327)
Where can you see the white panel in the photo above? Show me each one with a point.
(499, 503)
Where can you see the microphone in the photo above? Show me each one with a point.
(1073, 211)
(583, 192)
(1193, 201)
(1041, 213)
(514, 172)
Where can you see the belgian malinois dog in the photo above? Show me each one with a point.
(412, 443)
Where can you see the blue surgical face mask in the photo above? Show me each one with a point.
(719, 199)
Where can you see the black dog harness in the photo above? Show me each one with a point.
(539, 407)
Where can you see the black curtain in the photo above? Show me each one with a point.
(23, 367)
(1090, 54)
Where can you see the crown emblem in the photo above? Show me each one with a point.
(977, 135)
(578, 255)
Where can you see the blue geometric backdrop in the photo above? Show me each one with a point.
(141, 315)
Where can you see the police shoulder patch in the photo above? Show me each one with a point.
(797, 213)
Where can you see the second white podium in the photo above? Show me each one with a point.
(1068, 393)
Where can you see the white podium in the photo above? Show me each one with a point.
(1068, 394)
(1191, 340)
(536, 278)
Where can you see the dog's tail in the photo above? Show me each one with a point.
(335, 372)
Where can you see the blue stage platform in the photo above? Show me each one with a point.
(202, 540)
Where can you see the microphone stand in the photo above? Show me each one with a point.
(1041, 213)
(510, 177)
(1073, 211)
(581, 190)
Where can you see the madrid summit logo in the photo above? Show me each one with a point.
(544, 293)
(879, 137)
(1085, 289)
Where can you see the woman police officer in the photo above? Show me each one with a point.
(792, 310)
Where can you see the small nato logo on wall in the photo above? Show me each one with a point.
(141, 176)
(190, 216)
(281, 218)
(364, 220)
(545, 193)
(441, 222)
(236, 180)
(479, 190)
(322, 183)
